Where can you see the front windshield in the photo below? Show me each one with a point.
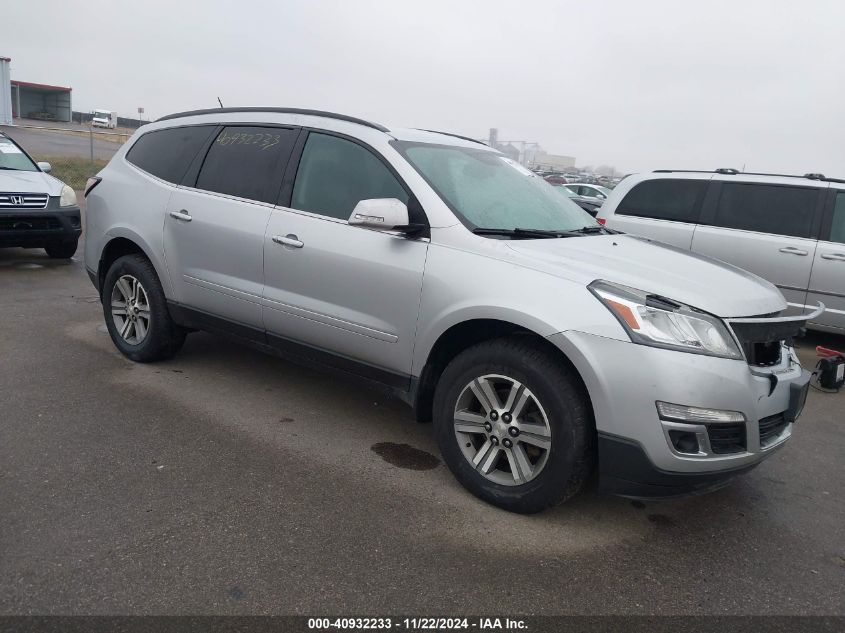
(101, 115)
(11, 157)
(488, 190)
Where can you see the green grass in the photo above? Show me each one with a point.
(73, 170)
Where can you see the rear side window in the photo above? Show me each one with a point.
(837, 229)
(664, 199)
(247, 162)
(767, 208)
(335, 174)
(168, 153)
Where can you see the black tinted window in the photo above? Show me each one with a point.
(664, 199)
(837, 229)
(335, 174)
(766, 208)
(168, 153)
(247, 162)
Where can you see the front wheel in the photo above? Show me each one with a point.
(136, 311)
(514, 424)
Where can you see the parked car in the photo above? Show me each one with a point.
(538, 342)
(787, 229)
(590, 205)
(36, 210)
(556, 179)
(589, 191)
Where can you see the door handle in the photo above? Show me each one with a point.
(182, 214)
(791, 250)
(288, 240)
(839, 257)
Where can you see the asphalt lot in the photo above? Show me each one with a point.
(230, 482)
(51, 143)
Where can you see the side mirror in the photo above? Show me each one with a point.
(45, 167)
(380, 213)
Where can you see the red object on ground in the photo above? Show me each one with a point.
(827, 352)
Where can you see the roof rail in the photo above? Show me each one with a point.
(464, 138)
(733, 172)
(328, 115)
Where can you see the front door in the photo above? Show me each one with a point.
(332, 287)
(214, 229)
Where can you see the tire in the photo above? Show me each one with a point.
(161, 338)
(553, 398)
(61, 250)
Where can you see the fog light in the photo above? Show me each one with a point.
(684, 442)
(681, 413)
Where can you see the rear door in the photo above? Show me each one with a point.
(347, 290)
(664, 209)
(768, 229)
(214, 225)
(827, 282)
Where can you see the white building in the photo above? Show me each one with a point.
(542, 160)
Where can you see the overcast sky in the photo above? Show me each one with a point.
(639, 85)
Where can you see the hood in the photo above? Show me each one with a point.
(707, 284)
(29, 182)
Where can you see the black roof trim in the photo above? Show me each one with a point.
(463, 138)
(328, 115)
(734, 172)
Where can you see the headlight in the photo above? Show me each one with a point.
(659, 322)
(68, 198)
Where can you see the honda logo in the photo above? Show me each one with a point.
(17, 201)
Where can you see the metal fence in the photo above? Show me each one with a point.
(74, 153)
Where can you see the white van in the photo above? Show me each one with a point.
(104, 118)
(789, 230)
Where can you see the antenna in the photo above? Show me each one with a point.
(220, 102)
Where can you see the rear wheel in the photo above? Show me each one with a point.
(61, 250)
(514, 425)
(136, 312)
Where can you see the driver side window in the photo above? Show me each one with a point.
(335, 174)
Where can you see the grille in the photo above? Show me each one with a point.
(23, 200)
(726, 438)
(28, 223)
(771, 427)
(762, 342)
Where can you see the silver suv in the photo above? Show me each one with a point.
(538, 342)
(789, 230)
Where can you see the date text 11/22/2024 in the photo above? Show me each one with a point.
(418, 624)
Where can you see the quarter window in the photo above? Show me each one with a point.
(168, 153)
(837, 229)
(664, 199)
(335, 174)
(767, 208)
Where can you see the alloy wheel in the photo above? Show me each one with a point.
(130, 309)
(502, 429)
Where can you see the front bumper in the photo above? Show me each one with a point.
(625, 380)
(35, 228)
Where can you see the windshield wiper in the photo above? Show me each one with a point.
(595, 229)
(525, 233)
